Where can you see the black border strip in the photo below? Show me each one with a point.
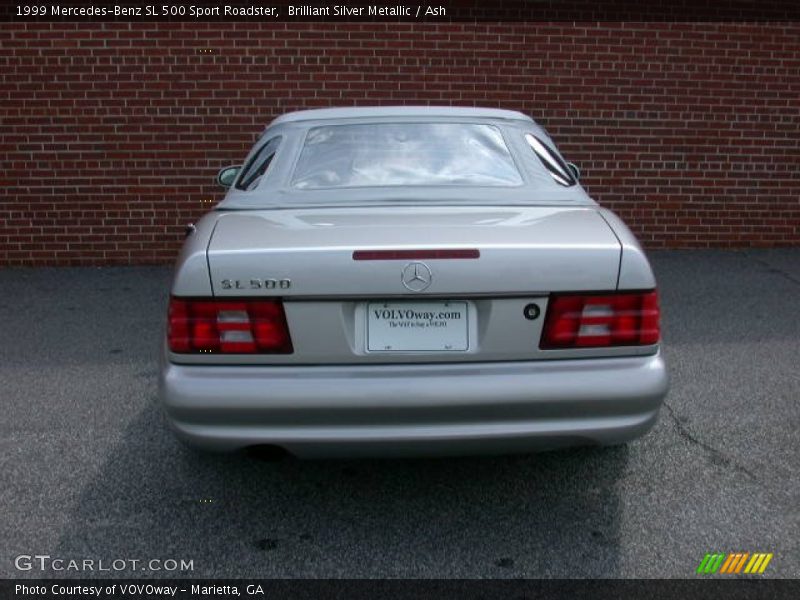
(708, 588)
(455, 10)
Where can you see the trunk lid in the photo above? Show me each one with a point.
(309, 252)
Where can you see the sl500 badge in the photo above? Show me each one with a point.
(256, 284)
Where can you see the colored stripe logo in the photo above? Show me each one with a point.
(734, 563)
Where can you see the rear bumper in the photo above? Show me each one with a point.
(431, 409)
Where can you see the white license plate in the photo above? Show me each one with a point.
(417, 326)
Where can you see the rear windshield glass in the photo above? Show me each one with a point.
(395, 154)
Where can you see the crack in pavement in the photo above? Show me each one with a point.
(716, 454)
(772, 268)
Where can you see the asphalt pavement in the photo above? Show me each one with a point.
(89, 470)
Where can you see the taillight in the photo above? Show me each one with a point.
(228, 326)
(597, 320)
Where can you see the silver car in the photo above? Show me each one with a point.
(410, 280)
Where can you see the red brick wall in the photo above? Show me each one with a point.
(111, 133)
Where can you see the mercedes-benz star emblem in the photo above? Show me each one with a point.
(416, 276)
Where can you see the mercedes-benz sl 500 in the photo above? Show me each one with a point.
(410, 280)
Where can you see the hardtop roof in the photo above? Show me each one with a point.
(354, 112)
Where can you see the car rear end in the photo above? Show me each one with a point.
(412, 328)
(327, 353)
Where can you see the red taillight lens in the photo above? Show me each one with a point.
(597, 320)
(228, 327)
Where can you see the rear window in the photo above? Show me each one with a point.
(404, 154)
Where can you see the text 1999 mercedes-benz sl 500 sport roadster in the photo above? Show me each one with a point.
(412, 280)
